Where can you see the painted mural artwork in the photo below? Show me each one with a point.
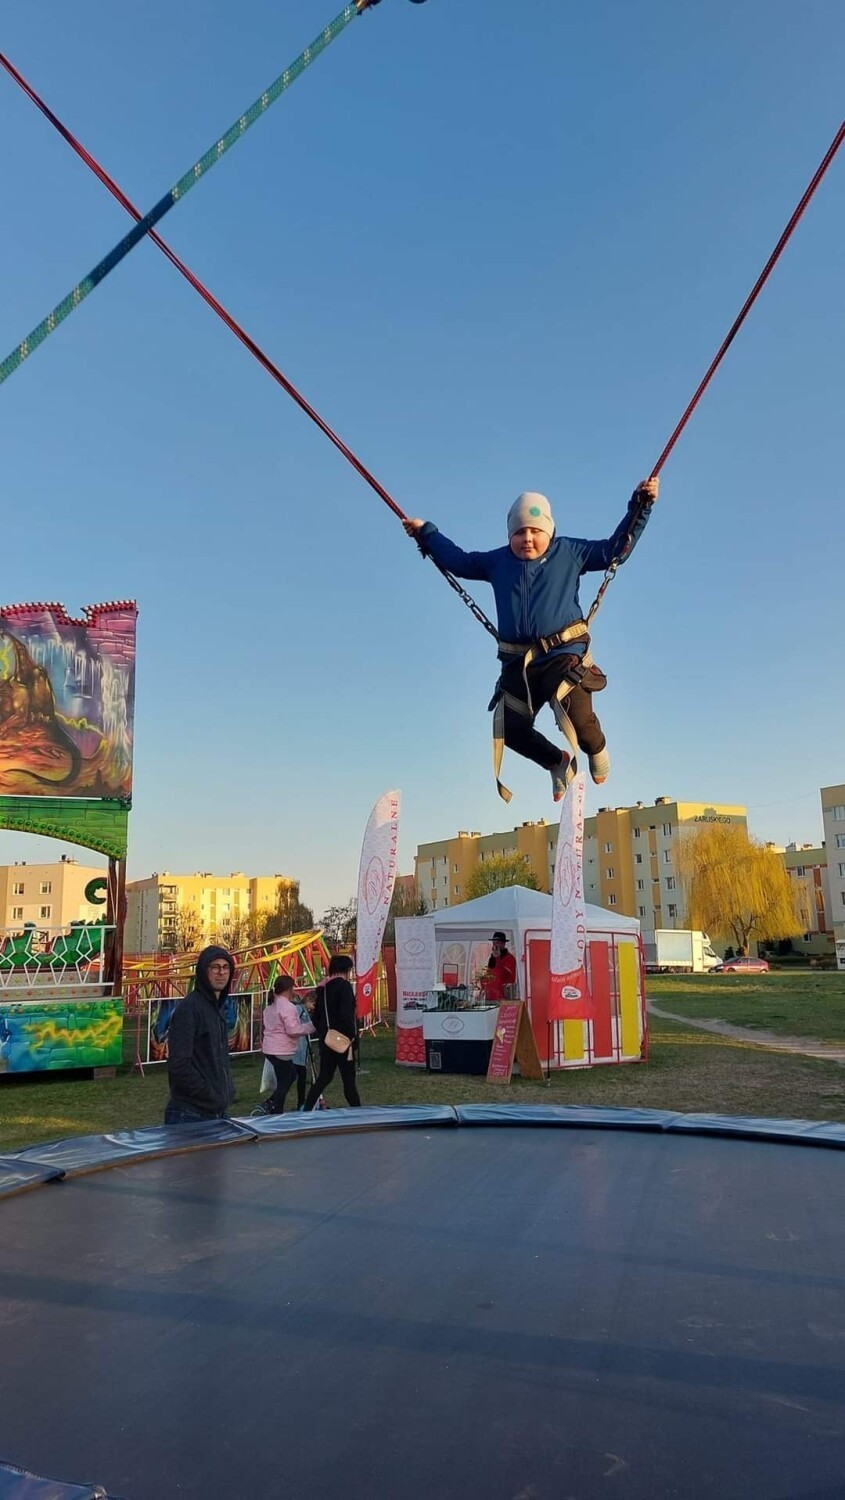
(38, 1036)
(240, 1027)
(67, 690)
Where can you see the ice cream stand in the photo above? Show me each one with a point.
(441, 1010)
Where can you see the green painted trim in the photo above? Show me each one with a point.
(93, 823)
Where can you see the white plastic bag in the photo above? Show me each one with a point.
(268, 1078)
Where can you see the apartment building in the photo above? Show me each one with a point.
(630, 857)
(806, 866)
(48, 896)
(833, 819)
(442, 868)
(164, 911)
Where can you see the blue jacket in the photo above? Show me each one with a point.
(537, 598)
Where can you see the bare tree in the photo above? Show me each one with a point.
(405, 903)
(186, 935)
(339, 923)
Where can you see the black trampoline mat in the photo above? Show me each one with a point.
(513, 1313)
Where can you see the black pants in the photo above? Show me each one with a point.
(301, 1081)
(330, 1063)
(285, 1072)
(544, 678)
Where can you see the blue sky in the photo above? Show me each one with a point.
(496, 245)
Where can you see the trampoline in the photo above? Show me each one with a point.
(494, 1303)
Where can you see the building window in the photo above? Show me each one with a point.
(839, 813)
(611, 900)
(667, 830)
(667, 856)
(638, 859)
(44, 913)
(17, 888)
(457, 890)
(609, 874)
(608, 848)
(17, 913)
(673, 912)
(641, 911)
(46, 888)
(799, 870)
(670, 882)
(637, 833)
(640, 885)
(841, 871)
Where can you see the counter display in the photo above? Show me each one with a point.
(459, 1041)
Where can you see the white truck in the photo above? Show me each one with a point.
(680, 951)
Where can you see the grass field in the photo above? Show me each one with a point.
(802, 1004)
(686, 1071)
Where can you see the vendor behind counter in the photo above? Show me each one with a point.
(500, 979)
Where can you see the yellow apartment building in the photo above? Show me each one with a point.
(806, 866)
(48, 896)
(833, 817)
(160, 909)
(441, 869)
(629, 858)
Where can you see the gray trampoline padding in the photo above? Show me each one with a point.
(528, 1312)
(16, 1176)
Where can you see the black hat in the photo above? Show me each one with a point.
(499, 937)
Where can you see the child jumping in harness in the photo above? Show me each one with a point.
(543, 638)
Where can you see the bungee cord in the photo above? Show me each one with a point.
(188, 180)
(231, 323)
(728, 340)
(144, 226)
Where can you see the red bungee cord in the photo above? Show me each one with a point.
(207, 296)
(282, 380)
(753, 294)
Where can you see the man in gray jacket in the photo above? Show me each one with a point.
(198, 1071)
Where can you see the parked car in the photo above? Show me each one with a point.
(745, 966)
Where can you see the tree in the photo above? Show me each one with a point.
(186, 935)
(500, 871)
(240, 930)
(339, 923)
(404, 903)
(736, 886)
(289, 914)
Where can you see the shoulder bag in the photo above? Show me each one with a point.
(335, 1040)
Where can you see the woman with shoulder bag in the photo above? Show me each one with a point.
(334, 1021)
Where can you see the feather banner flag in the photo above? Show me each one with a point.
(376, 879)
(569, 993)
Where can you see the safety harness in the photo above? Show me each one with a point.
(579, 673)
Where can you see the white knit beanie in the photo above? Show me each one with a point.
(531, 510)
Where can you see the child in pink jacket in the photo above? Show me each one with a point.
(281, 1031)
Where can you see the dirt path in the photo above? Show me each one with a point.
(803, 1046)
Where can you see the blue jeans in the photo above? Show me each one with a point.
(183, 1114)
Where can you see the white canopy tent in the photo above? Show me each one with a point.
(463, 932)
(460, 950)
